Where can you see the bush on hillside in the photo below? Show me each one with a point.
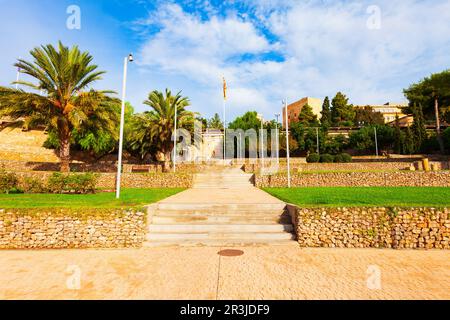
(313, 158)
(33, 185)
(72, 183)
(8, 182)
(343, 158)
(326, 158)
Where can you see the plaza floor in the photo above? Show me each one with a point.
(267, 272)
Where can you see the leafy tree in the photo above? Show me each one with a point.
(307, 117)
(366, 116)
(364, 139)
(248, 121)
(64, 75)
(432, 92)
(154, 130)
(342, 112)
(326, 113)
(215, 122)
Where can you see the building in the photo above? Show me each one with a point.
(389, 110)
(295, 109)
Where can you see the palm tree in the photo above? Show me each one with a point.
(160, 121)
(65, 76)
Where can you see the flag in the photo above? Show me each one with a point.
(225, 88)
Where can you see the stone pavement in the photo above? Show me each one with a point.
(266, 272)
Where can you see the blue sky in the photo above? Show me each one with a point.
(267, 49)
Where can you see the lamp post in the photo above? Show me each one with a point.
(261, 138)
(175, 141)
(17, 78)
(277, 139)
(376, 141)
(122, 120)
(287, 144)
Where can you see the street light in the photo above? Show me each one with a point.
(277, 138)
(122, 120)
(18, 77)
(287, 144)
(175, 141)
(261, 135)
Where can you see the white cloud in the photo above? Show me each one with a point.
(326, 47)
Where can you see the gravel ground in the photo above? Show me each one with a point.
(268, 272)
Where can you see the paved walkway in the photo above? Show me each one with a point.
(223, 196)
(282, 272)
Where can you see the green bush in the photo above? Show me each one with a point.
(326, 158)
(72, 183)
(313, 158)
(33, 185)
(343, 158)
(8, 182)
(446, 137)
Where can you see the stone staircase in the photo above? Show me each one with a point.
(223, 209)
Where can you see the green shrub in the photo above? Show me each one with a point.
(8, 182)
(72, 183)
(446, 137)
(343, 158)
(326, 158)
(33, 185)
(313, 158)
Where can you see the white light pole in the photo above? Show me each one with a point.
(175, 141)
(287, 144)
(17, 78)
(261, 138)
(240, 146)
(122, 120)
(277, 139)
(376, 141)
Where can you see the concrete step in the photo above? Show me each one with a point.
(218, 243)
(260, 236)
(219, 207)
(219, 228)
(218, 219)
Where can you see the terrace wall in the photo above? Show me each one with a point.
(354, 166)
(129, 180)
(357, 179)
(397, 228)
(64, 229)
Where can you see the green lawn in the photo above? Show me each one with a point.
(130, 198)
(360, 197)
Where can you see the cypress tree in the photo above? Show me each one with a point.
(399, 139)
(419, 132)
(326, 114)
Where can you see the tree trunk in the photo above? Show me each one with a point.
(438, 125)
(64, 154)
(166, 167)
(64, 145)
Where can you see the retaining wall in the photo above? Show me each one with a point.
(64, 228)
(397, 228)
(357, 179)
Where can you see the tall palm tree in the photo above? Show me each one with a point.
(65, 76)
(161, 120)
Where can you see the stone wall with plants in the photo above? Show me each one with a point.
(65, 228)
(397, 228)
(357, 179)
(108, 180)
(335, 167)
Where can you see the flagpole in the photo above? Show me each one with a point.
(224, 130)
